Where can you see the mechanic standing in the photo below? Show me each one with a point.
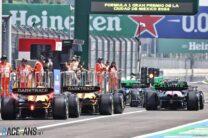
(5, 71)
(24, 74)
(100, 69)
(38, 70)
(113, 77)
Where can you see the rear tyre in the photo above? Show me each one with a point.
(106, 104)
(118, 102)
(123, 93)
(193, 102)
(134, 99)
(73, 106)
(201, 95)
(151, 101)
(59, 107)
(144, 100)
(8, 110)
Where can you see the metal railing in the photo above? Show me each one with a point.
(108, 82)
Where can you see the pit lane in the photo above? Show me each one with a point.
(134, 122)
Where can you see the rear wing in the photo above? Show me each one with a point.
(171, 87)
(134, 85)
(32, 91)
(81, 89)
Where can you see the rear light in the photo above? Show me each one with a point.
(32, 107)
(151, 76)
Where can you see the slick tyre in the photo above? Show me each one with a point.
(151, 101)
(73, 106)
(193, 102)
(106, 104)
(59, 107)
(118, 102)
(8, 110)
(134, 99)
(201, 95)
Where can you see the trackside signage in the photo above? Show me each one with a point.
(158, 26)
(183, 45)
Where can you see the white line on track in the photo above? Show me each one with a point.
(88, 119)
(170, 129)
(85, 120)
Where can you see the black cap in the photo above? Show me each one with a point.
(100, 58)
(3, 57)
(74, 58)
(41, 57)
(24, 60)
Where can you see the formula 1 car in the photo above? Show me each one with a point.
(133, 92)
(92, 102)
(90, 99)
(33, 102)
(173, 94)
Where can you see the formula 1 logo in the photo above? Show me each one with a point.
(146, 23)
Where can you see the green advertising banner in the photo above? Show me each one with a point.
(45, 16)
(146, 26)
(61, 17)
(183, 46)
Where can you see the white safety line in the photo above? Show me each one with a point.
(88, 119)
(85, 120)
(170, 129)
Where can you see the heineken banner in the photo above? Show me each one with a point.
(60, 17)
(183, 46)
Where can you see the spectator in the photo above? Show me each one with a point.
(113, 77)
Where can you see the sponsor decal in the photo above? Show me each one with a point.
(82, 88)
(183, 45)
(32, 90)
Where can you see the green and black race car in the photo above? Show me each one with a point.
(133, 92)
(173, 94)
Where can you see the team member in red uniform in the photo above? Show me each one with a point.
(5, 71)
(38, 70)
(100, 69)
(24, 72)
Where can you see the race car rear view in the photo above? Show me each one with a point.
(133, 92)
(173, 94)
(30, 98)
(91, 98)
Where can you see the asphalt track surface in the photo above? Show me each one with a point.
(133, 122)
